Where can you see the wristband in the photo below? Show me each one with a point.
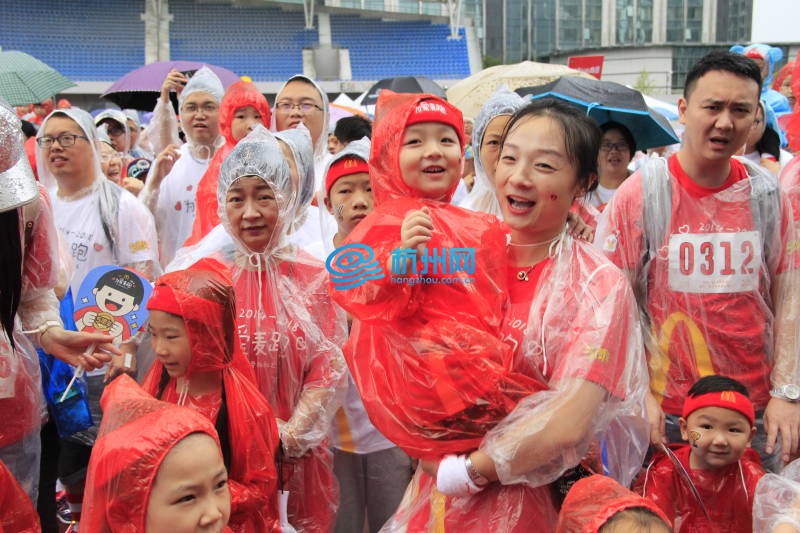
(452, 478)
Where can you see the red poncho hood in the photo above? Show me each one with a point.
(592, 501)
(135, 436)
(391, 116)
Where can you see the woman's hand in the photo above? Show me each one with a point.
(578, 228)
(71, 347)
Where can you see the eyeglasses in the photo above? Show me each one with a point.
(619, 147)
(64, 140)
(305, 107)
(192, 109)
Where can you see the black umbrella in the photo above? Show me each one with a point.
(404, 84)
(606, 101)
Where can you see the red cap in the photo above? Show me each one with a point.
(437, 110)
(754, 53)
(727, 399)
(163, 299)
(345, 166)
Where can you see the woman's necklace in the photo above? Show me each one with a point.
(522, 275)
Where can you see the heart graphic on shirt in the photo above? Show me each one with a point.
(189, 187)
(684, 229)
(177, 206)
(98, 246)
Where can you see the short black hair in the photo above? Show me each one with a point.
(715, 383)
(626, 133)
(123, 281)
(29, 129)
(581, 135)
(349, 129)
(642, 518)
(737, 64)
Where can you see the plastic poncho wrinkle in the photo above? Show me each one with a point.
(204, 80)
(777, 500)
(483, 196)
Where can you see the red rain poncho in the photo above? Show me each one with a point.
(136, 434)
(17, 514)
(428, 360)
(726, 492)
(203, 296)
(592, 501)
(289, 329)
(240, 94)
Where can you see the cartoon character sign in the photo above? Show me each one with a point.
(112, 300)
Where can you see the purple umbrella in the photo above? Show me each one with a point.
(140, 88)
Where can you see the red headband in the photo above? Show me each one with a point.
(728, 399)
(436, 110)
(346, 166)
(163, 299)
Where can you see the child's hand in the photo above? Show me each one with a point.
(416, 230)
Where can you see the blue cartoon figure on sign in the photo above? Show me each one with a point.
(111, 300)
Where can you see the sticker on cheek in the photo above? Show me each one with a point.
(554, 197)
(694, 436)
(339, 210)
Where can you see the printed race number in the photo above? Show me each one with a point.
(714, 262)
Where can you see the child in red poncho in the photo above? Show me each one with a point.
(241, 107)
(718, 421)
(155, 468)
(426, 350)
(200, 365)
(598, 504)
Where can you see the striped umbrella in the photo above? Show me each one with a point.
(26, 80)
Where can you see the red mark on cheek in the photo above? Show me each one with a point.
(554, 197)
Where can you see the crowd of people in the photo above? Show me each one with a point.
(414, 322)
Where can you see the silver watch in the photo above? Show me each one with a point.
(789, 393)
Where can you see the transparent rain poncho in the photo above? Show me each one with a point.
(20, 381)
(111, 226)
(203, 296)
(298, 140)
(776, 507)
(135, 437)
(17, 514)
(715, 272)
(163, 128)
(574, 326)
(289, 329)
(482, 197)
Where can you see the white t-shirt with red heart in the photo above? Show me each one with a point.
(176, 204)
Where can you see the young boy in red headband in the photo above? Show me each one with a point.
(719, 423)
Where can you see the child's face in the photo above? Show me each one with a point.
(430, 158)
(113, 301)
(536, 180)
(190, 493)
(170, 342)
(490, 144)
(243, 118)
(252, 211)
(717, 436)
(350, 201)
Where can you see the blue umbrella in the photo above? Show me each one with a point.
(606, 101)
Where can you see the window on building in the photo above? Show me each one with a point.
(734, 19)
(634, 21)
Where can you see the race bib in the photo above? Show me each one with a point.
(714, 262)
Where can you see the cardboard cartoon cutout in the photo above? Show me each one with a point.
(112, 300)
